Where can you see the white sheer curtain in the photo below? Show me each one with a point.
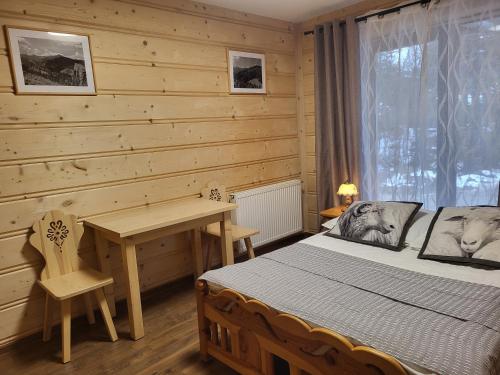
(430, 100)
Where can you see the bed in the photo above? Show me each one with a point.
(328, 306)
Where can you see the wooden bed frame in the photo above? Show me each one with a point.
(246, 334)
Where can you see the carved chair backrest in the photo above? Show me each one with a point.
(57, 237)
(214, 192)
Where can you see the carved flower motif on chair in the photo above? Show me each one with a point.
(215, 195)
(57, 232)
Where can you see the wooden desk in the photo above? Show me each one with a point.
(135, 226)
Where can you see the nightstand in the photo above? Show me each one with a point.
(332, 212)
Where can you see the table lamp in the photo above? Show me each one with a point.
(347, 190)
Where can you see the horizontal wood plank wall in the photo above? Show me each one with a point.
(305, 90)
(161, 126)
(309, 163)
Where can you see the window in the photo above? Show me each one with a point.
(431, 104)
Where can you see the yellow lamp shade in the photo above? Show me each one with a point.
(347, 189)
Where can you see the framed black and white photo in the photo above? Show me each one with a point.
(45, 62)
(247, 72)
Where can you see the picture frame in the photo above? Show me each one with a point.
(47, 62)
(247, 72)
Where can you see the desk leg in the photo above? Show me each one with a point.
(197, 252)
(103, 260)
(133, 289)
(226, 240)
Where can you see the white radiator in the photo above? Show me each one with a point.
(275, 210)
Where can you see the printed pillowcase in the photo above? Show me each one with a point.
(382, 224)
(464, 234)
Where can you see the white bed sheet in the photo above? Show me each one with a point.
(406, 259)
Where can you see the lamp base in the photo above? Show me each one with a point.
(347, 203)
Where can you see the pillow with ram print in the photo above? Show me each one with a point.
(465, 235)
(382, 224)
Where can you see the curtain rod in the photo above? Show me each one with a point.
(381, 13)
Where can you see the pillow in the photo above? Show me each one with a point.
(330, 223)
(382, 224)
(464, 234)
(418, 229)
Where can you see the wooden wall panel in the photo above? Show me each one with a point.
(206, 10)
(309, 104)
(162, 125)
(164, 79)
(109, 138)
(310, 124)
(26, 109)
(300, 122)
(116, 77)
(55, 175)
(5, 79)
(142, 19)
(18, 215)
(310, 144)
(307, 137)
(308, 59)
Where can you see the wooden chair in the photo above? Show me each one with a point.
(217, 192)
(65, 275)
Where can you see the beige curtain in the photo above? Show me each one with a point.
(337, 92)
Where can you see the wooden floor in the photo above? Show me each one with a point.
(170, 345)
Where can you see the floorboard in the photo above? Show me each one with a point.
(170, 345)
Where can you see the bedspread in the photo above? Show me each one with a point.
(448, 326)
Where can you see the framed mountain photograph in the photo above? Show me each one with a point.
(45, 62)
(247, 72)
